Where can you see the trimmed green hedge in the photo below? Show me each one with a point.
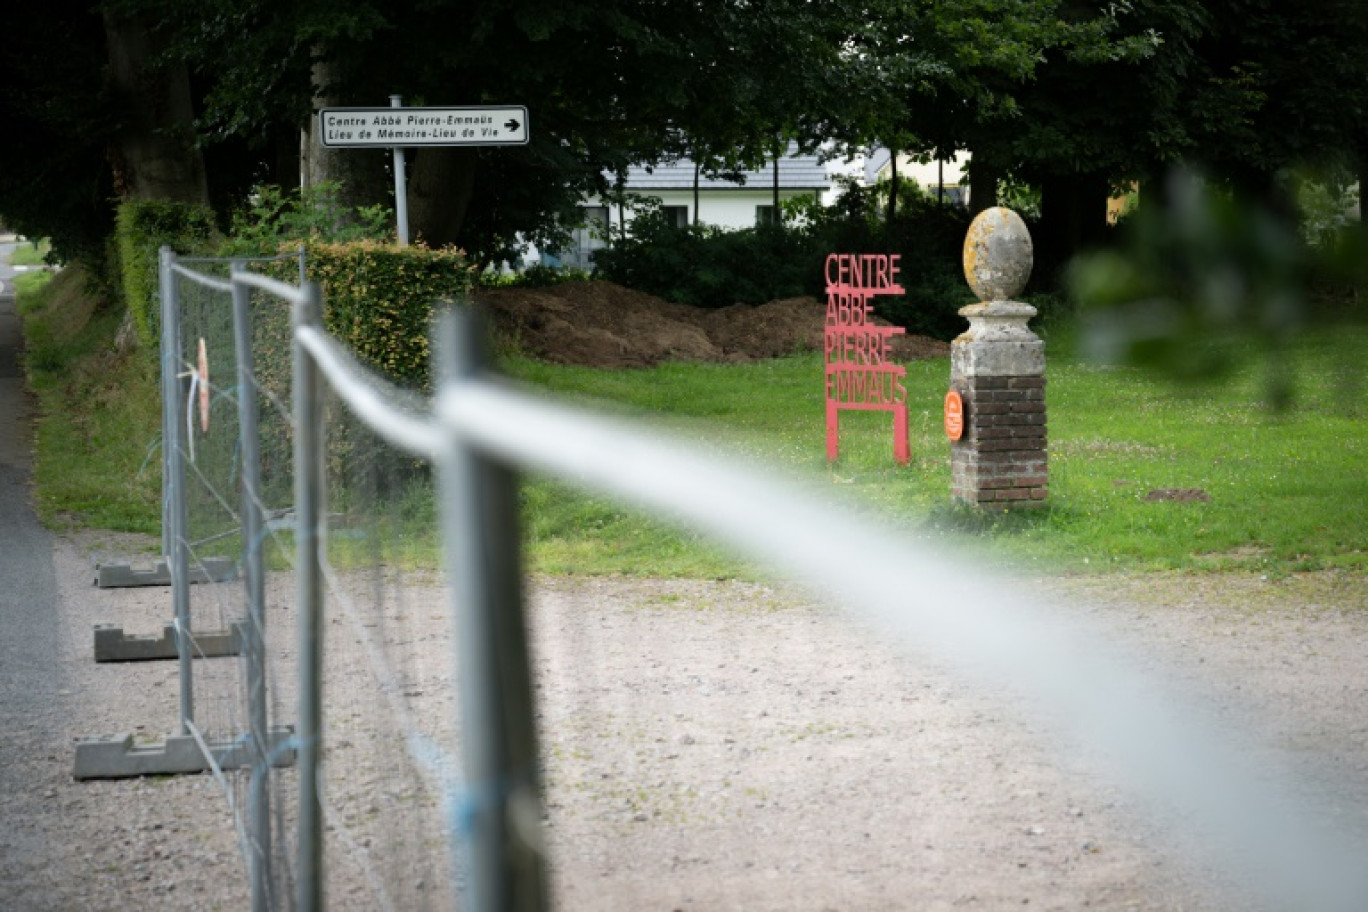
(142, 227)
(378, 299)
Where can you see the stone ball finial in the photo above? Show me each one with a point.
(997, 255)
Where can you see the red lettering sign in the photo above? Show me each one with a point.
(860, 373)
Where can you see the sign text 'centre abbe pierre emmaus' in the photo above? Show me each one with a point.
(860, 373)
(479, 125)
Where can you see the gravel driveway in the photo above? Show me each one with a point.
(723, 745)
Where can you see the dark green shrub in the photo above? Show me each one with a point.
(273, 217)
(707, 266)
(538, 275)
(703, 265)
(930, 239)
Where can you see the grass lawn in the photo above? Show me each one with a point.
(1287, 491)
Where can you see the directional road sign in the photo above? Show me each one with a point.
(389, 127)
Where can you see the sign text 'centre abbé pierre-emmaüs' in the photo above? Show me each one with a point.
(386, 127)
(860, 373)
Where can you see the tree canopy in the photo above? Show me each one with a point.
(54, 176)
(1062, 93)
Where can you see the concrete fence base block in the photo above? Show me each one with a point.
(113, 645)
(120, 758)
(122, 576)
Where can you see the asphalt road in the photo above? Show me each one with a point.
(30, 673)
(27, 585)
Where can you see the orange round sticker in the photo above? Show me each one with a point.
(954, 415)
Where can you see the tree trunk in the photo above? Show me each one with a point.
(695, 218)
(778, 154)
(441, 182)
(1363, 191)
(360, 174)
(154, 155)
(983, 183)
(1073, 216)
(1262, 187)
(1150, 190)
(892, 185)
(285, 165)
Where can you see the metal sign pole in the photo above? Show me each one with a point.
(400, 185)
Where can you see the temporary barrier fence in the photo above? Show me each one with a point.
(478, 431)
(214, 500)
(483, 429)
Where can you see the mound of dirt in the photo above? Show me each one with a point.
(599, 324)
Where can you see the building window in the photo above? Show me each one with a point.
(764, 215)
(678, 216)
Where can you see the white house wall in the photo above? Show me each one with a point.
(731, 209)
(928, 174)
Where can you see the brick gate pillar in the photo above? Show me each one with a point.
(997, 367)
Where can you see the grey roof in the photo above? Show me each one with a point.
(874, 162)
(796, 172)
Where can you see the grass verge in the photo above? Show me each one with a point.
(98, 420)
(31, 253)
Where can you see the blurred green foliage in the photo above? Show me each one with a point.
(1206, 279)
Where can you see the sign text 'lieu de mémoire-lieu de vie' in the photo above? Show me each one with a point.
(477, 125)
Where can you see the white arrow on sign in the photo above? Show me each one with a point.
(482, 125)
